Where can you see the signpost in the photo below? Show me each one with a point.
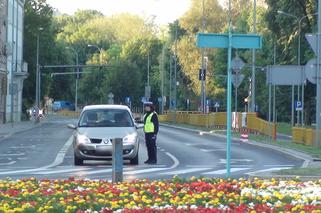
(313, 74)
(229, 41)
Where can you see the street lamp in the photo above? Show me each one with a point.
(38, 73)
(76, 95)
(100, 51)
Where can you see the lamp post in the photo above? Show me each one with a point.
(100, 51)
(298, 59)
(77, 77)
(203, 95)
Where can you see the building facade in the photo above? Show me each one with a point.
(17, 69)
(3, 58)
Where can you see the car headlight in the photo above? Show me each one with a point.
(83, 139)
(130, 139)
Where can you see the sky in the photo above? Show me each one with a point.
(164, 11)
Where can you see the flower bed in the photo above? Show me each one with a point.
(179, 195)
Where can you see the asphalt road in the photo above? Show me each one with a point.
(46, 152)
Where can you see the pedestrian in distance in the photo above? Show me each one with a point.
(151, 127)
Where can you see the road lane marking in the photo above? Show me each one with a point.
(58, 160)
(184, 171)
(278, 165)
(212, 150)
(176, 162)
(61, 154)
(223, 161)
(7, 164)
(223, 171)
(267, 170)
(23, 147)
(13, 154)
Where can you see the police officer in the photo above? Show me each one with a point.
(151, 127)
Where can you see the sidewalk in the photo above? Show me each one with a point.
(9, 129)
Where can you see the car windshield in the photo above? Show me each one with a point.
(105, 118)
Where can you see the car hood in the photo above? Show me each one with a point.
(106, 132)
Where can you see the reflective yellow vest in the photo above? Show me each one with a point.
(149, 125)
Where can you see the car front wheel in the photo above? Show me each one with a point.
(78, 161)
(134, 161)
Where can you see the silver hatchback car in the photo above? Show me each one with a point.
(97, 126)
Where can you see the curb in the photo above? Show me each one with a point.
(307, 159)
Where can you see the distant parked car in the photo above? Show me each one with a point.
(63, 105)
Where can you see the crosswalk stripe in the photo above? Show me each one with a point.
(223, 171)
(184, 171)
(144, 171)
(47, 171)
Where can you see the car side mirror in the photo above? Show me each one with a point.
(138, 120)
(71, 126)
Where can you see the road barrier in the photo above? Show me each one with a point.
(73, 114)
(218, 120)
(304, 136)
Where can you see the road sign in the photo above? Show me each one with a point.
(311, 70)
(298, 106)
(237, 80)
(312, 40)
(239, 41)
(237, 63)
(285, 75)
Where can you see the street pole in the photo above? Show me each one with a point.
(203, 65)
(318, 115)
(175, 69)
(38, 76)
(162, 79)
(253, 60)
(170, 81)
(229, 97)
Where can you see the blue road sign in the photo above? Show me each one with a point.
(239, 41)
(298, 105)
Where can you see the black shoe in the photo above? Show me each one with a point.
(152, 162)
(147, 161)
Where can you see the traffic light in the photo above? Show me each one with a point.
(202, 75)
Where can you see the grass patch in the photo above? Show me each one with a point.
(284, 128)
(301, 171)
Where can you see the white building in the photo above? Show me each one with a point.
(16, 67)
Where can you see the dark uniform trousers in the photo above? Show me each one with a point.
(151, 147)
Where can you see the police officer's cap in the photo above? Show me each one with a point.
(148, 103)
